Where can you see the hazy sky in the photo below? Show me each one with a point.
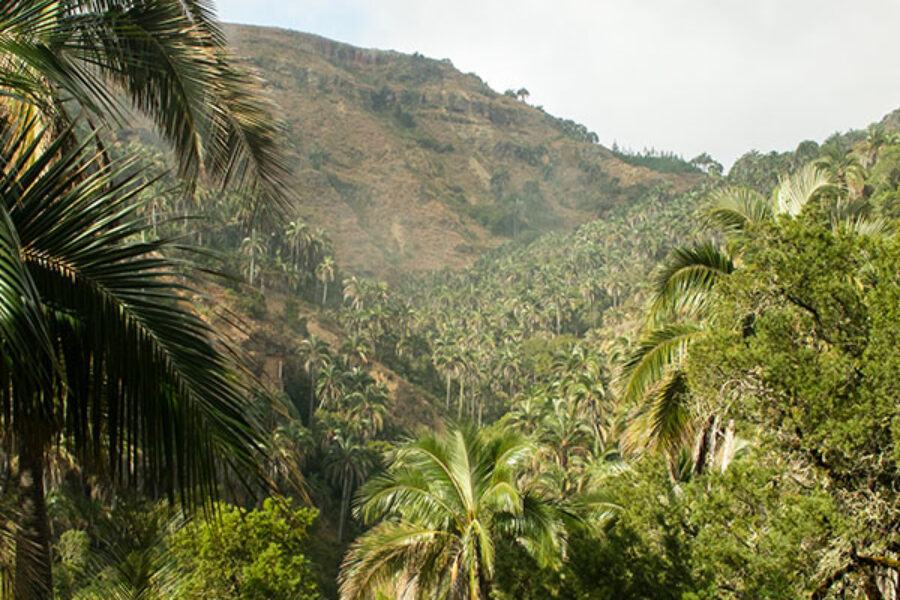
(722, 76)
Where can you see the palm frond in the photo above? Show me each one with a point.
(795, 191)
(687, 278)
(735, 209)
(446, 499)
(862, 225)
(169, 60)
(144, 386)
(664, 421)
(379, 559)
(657, 351)
(23, 328)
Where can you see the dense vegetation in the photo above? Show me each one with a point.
(692, 397)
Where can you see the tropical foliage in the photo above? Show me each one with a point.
(444, 503)
(690, 398)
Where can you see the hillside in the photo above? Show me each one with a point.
(411, 165)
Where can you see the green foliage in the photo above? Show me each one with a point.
(443, 504)
(473, 329)
(404, 118)
(319, 159)
(290, 315)
(805, 336)
(533, 155)
(725, 535)
(250, 301)
(71, 570)
(656, 160)
(247, 555)
(430, 143)
(574, 130)
(829, 314)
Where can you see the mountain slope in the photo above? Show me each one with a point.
(411, 165)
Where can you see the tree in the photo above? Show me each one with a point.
(325, 274)
(299, 237)
(723, 536)
(443, 504)
(347, 464)
(806, 337)
(707, 164)
(367, 409)
(354, 293)
(876, 139)
(315, 354)
(247, 555)
(169, 60)
(100, 353)
(843, 167)
(253, 247)
(330, 384)
(356, 350)
(126, 556)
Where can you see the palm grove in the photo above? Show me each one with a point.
(688, 398)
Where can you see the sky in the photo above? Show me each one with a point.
(686, 76)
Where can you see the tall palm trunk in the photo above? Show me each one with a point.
(312, 394)
(33, 577)
(345, 508)
(448, 390)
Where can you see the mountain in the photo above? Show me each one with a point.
(411, 165)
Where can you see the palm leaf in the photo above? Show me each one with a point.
(446, 499)
(861, 225)
(379, 559)
(144, 386)
(687, 278)
(795, 191)
(735, 209)
(657, 351)
(664, 422)
(169, 60)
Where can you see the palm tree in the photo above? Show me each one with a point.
(347, 464)
(843, 166)
(253, 247)
(367, 409)
(563, 433)
(139, 565)
(441, 506)
(356, 349)
(330, 384)
(58, 59)
(325, 274)
(354, 293)
(444, 361)
(876, 139)
(315, 354)
(298, 235)
(100, 353)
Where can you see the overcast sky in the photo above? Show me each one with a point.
(721, 76)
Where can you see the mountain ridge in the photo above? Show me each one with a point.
(411, 165)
